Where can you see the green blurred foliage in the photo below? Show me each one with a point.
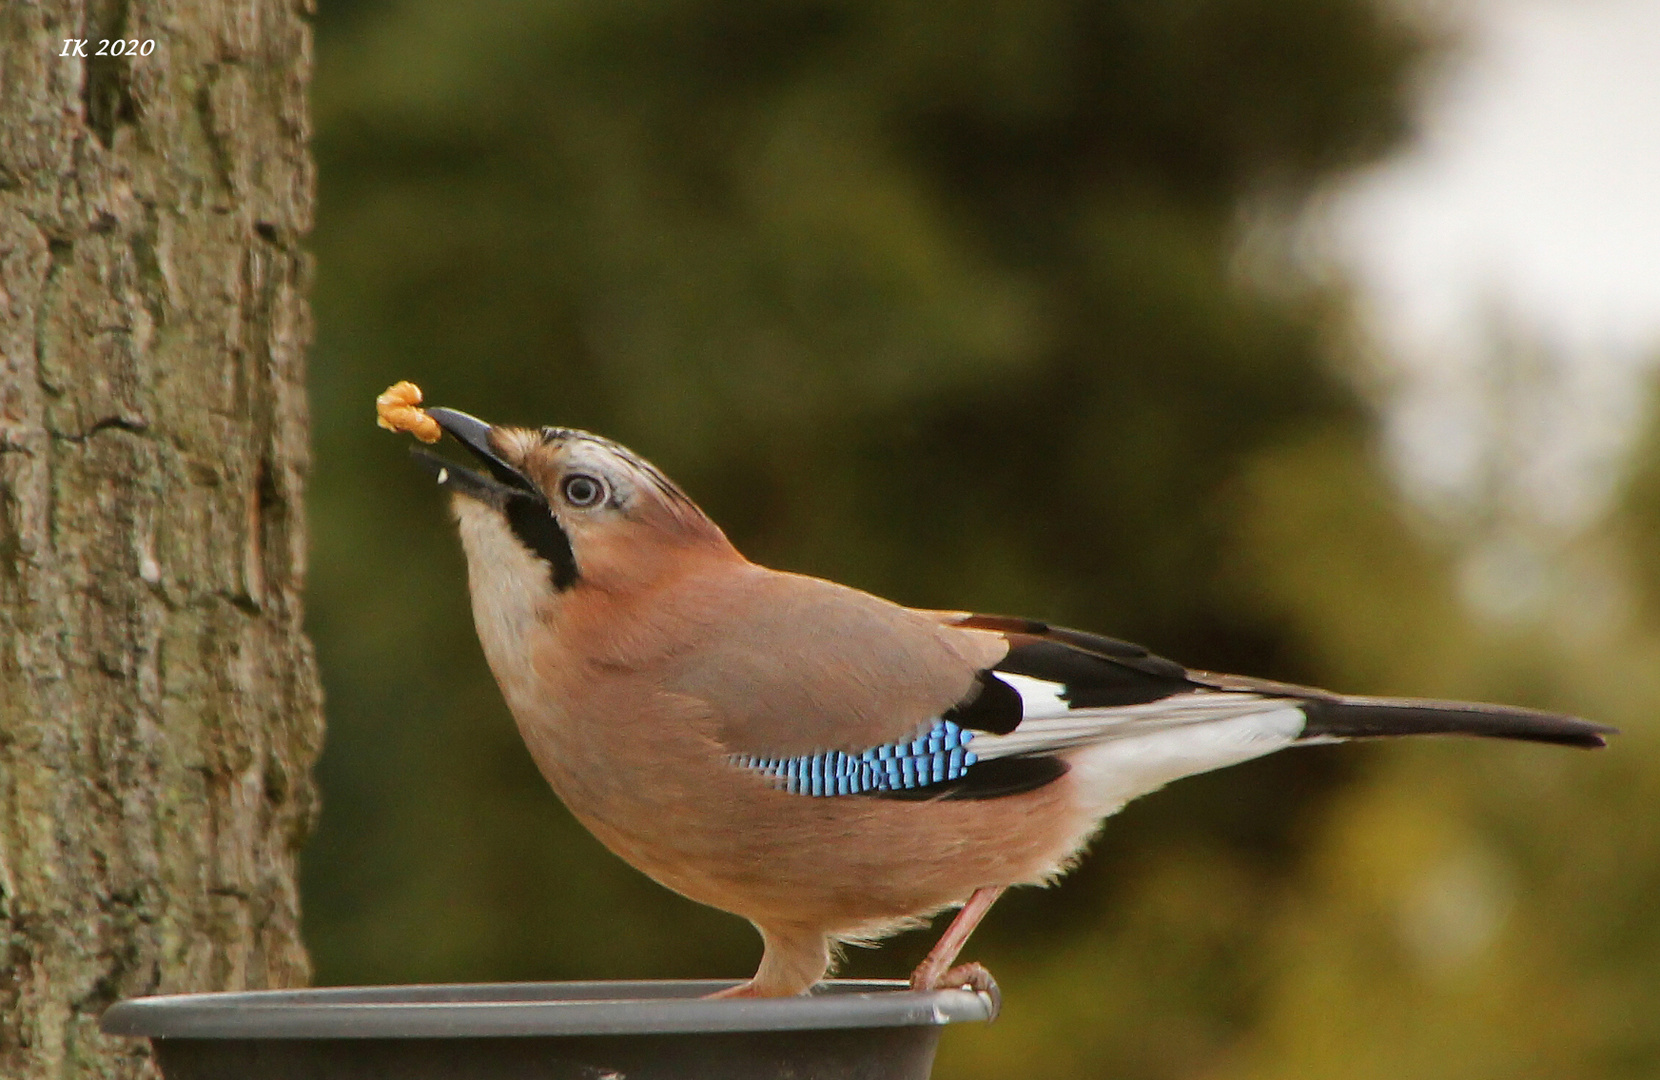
(945, 301)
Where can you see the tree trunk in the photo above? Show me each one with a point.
(159, 705)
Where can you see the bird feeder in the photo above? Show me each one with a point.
(666, 1030)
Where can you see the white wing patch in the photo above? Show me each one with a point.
(1038, 697)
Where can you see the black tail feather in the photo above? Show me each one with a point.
(1376, 717)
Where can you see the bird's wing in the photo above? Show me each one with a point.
(960, 729)
(1004, 723)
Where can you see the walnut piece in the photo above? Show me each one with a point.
(399, 410)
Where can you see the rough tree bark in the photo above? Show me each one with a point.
(159, 707)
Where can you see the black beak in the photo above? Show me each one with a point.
(504, 482)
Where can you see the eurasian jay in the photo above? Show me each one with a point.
(827, 764)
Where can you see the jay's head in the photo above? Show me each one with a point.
(568, 509)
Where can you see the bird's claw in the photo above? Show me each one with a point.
(969, 976)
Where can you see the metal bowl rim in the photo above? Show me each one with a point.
(494, 1010)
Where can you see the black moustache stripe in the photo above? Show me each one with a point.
(537, 529)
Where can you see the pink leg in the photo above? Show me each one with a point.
(794, 959)
(936, 972)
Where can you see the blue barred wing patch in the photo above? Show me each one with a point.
(939, 754)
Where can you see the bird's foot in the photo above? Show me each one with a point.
(964, 976)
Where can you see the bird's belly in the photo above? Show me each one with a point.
(728, 839)
(667, 798)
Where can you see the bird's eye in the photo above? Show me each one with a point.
(581, 490)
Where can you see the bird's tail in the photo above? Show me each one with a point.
(1344, 717)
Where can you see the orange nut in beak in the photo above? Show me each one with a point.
(399, 409)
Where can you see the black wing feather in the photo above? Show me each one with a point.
(994, 707)
(1092, 681)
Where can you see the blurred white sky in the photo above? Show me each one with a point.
(1532, 200)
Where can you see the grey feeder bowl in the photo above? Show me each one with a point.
(845, 1030)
